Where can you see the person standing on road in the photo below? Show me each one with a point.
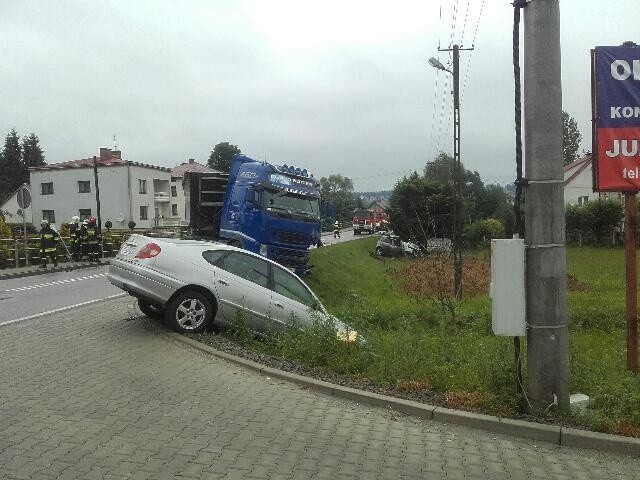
(90, 238)
(74, 237)
(336, 229)
(49, 239)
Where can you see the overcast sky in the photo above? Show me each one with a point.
(334, 86)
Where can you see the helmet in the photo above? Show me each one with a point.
(75, 219)
(91, 220)
(44, 222)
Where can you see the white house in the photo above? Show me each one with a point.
(128, 191)
(178, 197)
(11, 210)
(578, 183)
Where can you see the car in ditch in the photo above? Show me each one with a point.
(390, 245)
(195, 284)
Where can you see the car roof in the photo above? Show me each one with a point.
(211, 245)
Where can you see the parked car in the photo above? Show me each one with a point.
(193, 284)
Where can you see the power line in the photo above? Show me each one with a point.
(473, 44)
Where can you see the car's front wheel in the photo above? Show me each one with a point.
(151, 310)
(189, 312)
(379, 251)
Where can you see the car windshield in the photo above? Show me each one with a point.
(286, 202)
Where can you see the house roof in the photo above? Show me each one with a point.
(106, 158)
(190, 166)
(572, 170)
(3, 201)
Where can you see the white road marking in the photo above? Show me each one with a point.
(56, 282)
(58, 310)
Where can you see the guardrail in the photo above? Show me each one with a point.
(15, 253)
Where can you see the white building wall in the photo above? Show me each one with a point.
(580, 186)
(120, 199)
(10, 210)
(157, 196)
(179, 201)
(66, 201)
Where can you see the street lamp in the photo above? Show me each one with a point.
(456, 234)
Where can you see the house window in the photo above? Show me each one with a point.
(174, 209)
(174, 191)
(47, 188)
(144, 212)
(84, 213)
(49, 215)
(84, 186)
(583, 200)
(142, 186)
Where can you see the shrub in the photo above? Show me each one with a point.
(5, 232)
(480, 233)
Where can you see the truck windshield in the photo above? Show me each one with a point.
(277, 201)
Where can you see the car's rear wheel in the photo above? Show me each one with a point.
(151, 310)
(379, 251)
(189, 312)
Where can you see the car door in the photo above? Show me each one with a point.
(291, 300)
(242, 283)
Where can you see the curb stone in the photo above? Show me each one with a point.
(569, 437)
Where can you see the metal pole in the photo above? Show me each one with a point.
(630, 221)
(546, 284)
(24, 228)
(95, 178)
(457, 194)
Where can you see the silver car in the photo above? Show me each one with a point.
(193, 284)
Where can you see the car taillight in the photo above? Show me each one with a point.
(150, 250)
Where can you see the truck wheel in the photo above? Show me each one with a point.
(151, 310)
(189, 312)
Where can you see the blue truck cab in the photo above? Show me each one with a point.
(267, 209)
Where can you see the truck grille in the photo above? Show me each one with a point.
(291, 238)
(296, 259)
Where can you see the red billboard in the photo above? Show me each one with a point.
(615, 85)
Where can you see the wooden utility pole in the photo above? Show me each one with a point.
(546, 284)
(630, 220)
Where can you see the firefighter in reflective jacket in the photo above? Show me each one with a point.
(90, 238)
(49, 239)
(74, 237)
(336, 229)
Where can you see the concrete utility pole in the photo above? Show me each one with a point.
(457, 214)
(546, 284)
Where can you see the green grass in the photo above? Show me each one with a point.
(413, 341)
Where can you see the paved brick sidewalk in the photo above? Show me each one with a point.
(96, 393)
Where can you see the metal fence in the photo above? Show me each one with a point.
(14, 252)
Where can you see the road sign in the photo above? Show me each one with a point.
(616, 113)
(24, 198)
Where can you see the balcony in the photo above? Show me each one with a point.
(161, 197)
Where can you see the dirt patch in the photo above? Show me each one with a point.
(430, 276)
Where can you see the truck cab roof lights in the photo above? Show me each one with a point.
(300, 172)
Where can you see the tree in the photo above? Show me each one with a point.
(10, 165)
(222, 155)
(571, 138)
(420, 209)
(32, 155)
(336, 192)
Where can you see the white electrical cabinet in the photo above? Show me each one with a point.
(507, 287)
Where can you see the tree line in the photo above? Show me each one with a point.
(16, 157)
